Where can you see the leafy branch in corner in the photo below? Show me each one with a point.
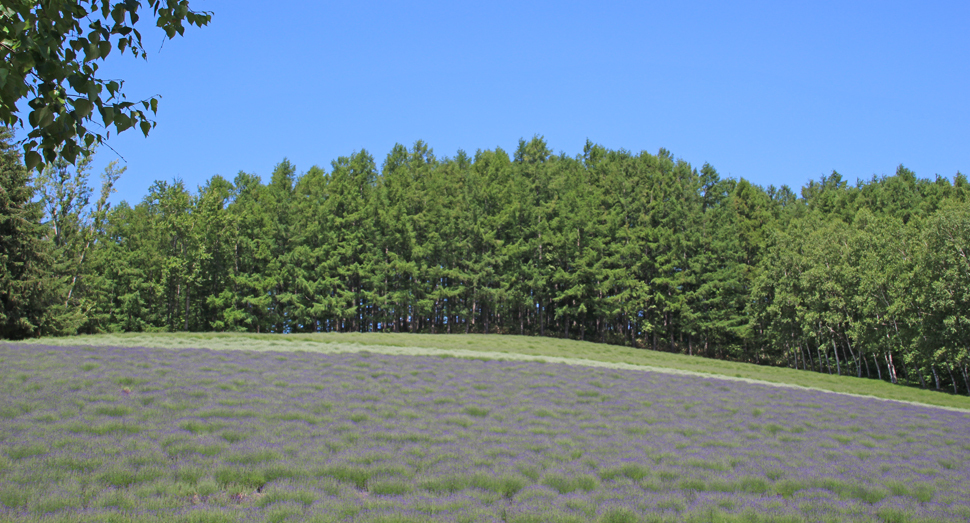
(50, 51)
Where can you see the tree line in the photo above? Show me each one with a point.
(869, 279)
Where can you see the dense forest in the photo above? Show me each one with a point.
(869, 279)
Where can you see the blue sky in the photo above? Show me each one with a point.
(775, 92)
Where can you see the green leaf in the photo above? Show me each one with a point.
(70, 151)
(50, 154)
(122, 122)
(44, 116)
(32, 159)
(145, 127)
(108, 115)
(118, 14)
(83, 106)
(91, 52)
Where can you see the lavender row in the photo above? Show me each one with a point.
(102, 433)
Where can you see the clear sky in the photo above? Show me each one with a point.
(774, 92)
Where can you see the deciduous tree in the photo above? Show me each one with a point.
(51, 51)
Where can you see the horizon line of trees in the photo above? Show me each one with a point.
(609, 246)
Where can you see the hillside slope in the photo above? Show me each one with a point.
(521, 347)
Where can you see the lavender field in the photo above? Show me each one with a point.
(117, 434)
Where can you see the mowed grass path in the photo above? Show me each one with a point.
(518, 347)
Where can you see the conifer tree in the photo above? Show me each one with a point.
(31, 292)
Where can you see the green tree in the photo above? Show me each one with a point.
(279, 237)
(76, 228)
(395, 268)
(130, 266)
(248, 305)
(531, 168)
(214, 229)
(27, 286)
(309, 306)
(176, 245)
(721, 294)
(943, 274)
(50, 55)
(489, 226)
(885, 262)
(351, 184)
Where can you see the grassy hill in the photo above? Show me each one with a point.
(520, 347)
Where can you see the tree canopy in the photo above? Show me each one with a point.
(869, 279)
(50, 52)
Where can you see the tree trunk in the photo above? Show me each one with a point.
(485, 313)
(634, 328)
(670, 331)
(819, 350)
(858, 364)
(949, 369)
(186, 309)
(412, 319)
(838, 364)
(966, 382)
(542, 319)
(892, 368)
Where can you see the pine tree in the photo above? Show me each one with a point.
(29, 291)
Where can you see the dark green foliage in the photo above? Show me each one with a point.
(29, 290)
(608, 246)
(50, 56)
